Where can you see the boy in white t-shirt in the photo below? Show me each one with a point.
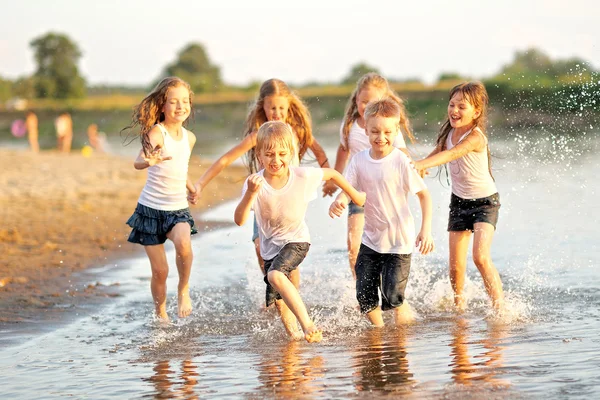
(279, 196)
(386, 175)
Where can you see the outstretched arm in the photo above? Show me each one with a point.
(143, 160)
(424, 239)
(225, 160)
(357, 197)
(242, 211)
(473, 142)
(319, 153)
(341, 159)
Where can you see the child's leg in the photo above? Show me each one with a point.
(404, 315)
(356, 223)
(292, 299)
(290, 323)
(375, 317)
(368, 281)
(180, 236)
(459, 245)
(394, 278)
(261, 262)
(158, 283)
(482, 242)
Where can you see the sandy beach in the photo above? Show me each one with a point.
(61, 214)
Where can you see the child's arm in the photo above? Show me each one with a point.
(242, 211)
(319, 153)
(357, 197)
(424, 239)
(473, 142)
(225, 160)
(144, 161)
(341, 159)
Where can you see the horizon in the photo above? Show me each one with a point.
(131, 47)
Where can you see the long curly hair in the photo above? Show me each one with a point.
(475, 93)
(149, 111)
(374, 80)
(298, 117)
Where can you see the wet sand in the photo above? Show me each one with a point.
(62, 214)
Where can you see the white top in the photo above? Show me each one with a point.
(389, 225)
(280, 212)
(470, 174)
(165, 187)
(358, 140)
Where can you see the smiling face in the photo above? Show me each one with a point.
(365, 96)
(177, 107)
(276, 160)
(276, 108)
(382, 132)
(461, 113)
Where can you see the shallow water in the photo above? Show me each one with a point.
(548, 345)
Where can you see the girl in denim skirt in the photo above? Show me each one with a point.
(463, 145)
(162, 211)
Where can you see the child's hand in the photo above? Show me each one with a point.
(329, 188)
(255, 181)
(155, 157)
(424, 242)
(193, 197)
(336, 209)
(417, 165)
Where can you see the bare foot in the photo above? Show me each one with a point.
(162, 318)
(404, 314)
(298, 335)
(184, 304)
(313, 335)
(460, 303)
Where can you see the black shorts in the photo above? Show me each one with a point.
(150, 227)
(464, 214)
(287, 260)
(376, 272)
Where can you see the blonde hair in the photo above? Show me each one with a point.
(374, 80)
(475, 94)
(298, 117)
(274, 133)
(149, 112)
(386, 108)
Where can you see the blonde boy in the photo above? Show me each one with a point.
(279, 195)
(387, 177)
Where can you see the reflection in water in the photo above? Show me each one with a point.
(284, 372)
(170, 386)
(487, 365)
(380, 361)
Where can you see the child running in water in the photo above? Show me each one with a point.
(162, 211)
(275, 102)
(279, 195)
(354, 139)
(474, 204)
(386, 175)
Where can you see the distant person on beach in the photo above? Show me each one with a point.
(279, 195)
(354, 139)
(385, 174)
(96, 139)
(64, 132)
(275, 102)
(162, 211)
(474, 204)
(31, 124)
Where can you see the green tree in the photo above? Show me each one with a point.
(194, 66)
(356, 72)
(57, 75)
(24, 87)
(5, 89)
(450, 76)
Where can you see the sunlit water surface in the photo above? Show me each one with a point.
(546, 249)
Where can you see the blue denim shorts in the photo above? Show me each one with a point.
(255, 230)
(354, 209)
(385, 273)
(465, 213)
(287, 260)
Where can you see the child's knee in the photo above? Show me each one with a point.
(481, 260)
(275, 277)
(183, 247)
(160, 274)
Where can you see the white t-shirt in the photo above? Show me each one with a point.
(280, 212)
(358, 140)
(389, 225)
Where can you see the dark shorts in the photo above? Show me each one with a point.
(287, 260)
(354, 209)
(255, 230)
(385, 273)
(465, 213)
(150, 226)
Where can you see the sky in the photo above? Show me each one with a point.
(130, 42)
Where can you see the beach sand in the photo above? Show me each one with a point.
(60, 214)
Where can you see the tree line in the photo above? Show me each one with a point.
(57, 74)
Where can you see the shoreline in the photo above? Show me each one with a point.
(63, 215)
